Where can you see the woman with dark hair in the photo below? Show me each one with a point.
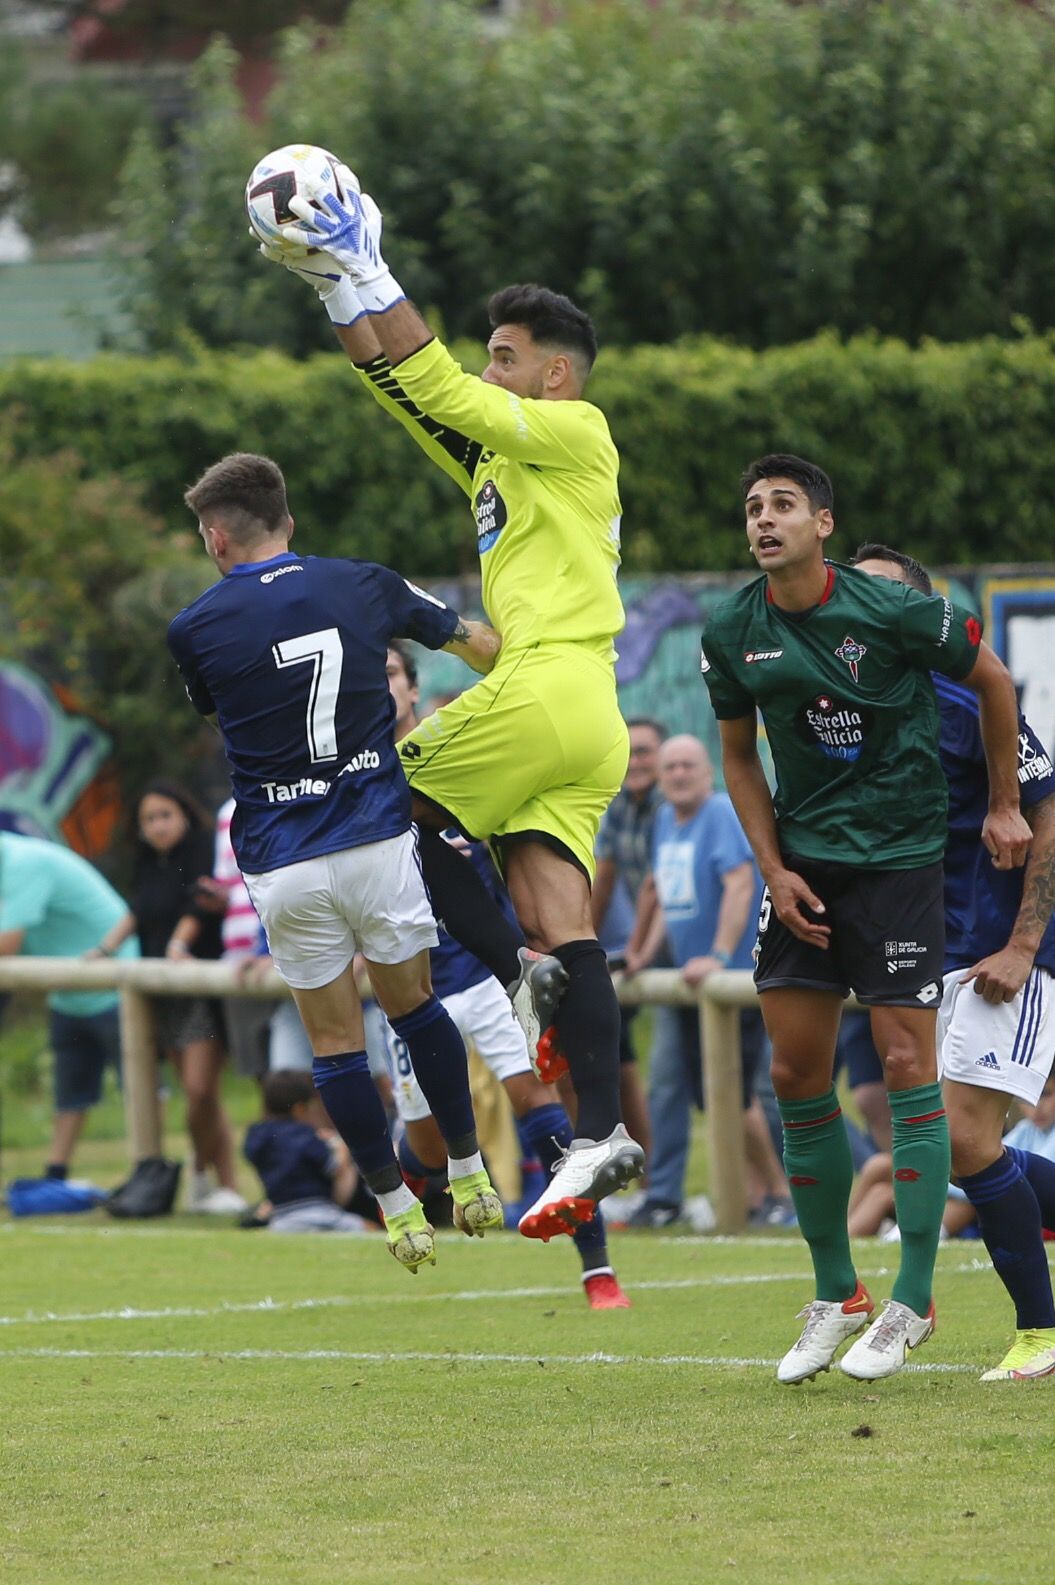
(177, 914)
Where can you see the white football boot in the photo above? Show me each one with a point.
(885, 1346)
(829, 1323)
(588, 1170)
(534, 995)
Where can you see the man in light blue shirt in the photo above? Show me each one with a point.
(705, 891)
(54, 904)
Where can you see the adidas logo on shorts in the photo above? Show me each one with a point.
(988, 1061)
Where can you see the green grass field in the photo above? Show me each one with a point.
(185, 1403)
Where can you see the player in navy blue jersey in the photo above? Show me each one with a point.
(996, 1027)
(483, 1013)
(288, 653)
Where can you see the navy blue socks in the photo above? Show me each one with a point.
(437, 1052)
(350, 1096)
(1009, 1216)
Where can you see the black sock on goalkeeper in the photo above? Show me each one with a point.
(588, 1025)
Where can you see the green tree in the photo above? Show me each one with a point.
(97, 579)
(757, 171)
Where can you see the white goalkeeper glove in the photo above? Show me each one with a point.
(350, 235)
(336, 292)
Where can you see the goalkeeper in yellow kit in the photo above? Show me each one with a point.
(531, 757)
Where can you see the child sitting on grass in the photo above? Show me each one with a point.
(308, 1176)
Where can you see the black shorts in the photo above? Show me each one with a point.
(887, 936)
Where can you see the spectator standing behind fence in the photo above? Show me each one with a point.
(624, 854)
(247, 1019)
(54, 904)
(178, 917)
(704, 895)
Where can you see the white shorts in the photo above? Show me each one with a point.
(484, 1016)
(319, 913)
(1008, 1047)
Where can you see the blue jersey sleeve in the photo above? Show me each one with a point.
(414, 613)
(182, 647)
(1036, 775)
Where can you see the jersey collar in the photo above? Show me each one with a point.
(829, 585)
(245, 569)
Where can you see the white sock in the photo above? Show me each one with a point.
(395, 1201)
(465, 1167)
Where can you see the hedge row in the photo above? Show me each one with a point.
(944, 449)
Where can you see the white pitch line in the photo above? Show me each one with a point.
(463, 1296)
(416, 1356)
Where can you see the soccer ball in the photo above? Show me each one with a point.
(299, 169)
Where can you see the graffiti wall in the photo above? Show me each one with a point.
(56, 779)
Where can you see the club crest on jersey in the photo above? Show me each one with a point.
(852, 653)
(491, 516)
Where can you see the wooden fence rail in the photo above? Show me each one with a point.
(137, 980)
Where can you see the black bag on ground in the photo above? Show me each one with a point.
(150, 1191)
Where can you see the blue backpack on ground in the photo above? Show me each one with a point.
(51, 1197)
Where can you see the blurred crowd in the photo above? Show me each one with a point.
(676, 887)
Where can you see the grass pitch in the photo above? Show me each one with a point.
(190, 1403)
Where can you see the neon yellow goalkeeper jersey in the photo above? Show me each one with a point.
(542, 477)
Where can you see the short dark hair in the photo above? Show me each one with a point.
(247, 491)
(650, 721)
(399, 647)
(782, 465)
(915, 572)
(285, 1088)
(552, 319)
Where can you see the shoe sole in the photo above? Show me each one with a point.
(549, 1061)
(415, 1255)
(883, 1374)
(820, 1370)
(480, 1216)
(1018, 1375)
(560, 1216)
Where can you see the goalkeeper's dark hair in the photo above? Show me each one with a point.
(284, 1089)
(915, 572)
(247, 491)
(813, 481)
(552, 319)
(400, 647)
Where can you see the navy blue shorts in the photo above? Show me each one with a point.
(82, 1047)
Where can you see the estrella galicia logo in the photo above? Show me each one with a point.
(491, 516)
(852, 653)
(840, 727)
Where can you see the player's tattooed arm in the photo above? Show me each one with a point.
(1000, 977)
(476, 643)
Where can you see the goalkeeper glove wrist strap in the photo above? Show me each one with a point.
(384, 291)
(343, 303)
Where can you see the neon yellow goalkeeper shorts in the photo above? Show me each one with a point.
(537, 745)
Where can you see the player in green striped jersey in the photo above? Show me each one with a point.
(850, 847)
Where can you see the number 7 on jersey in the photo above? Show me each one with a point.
(325, 652)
